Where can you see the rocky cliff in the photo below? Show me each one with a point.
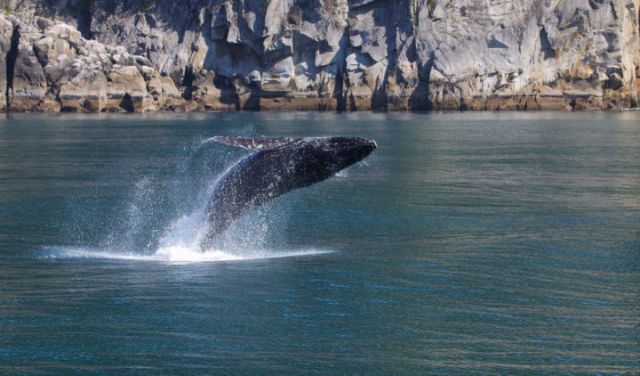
(185, 55)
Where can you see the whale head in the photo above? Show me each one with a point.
(316, 159)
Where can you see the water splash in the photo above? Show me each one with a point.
(174, 254)
(163, 218)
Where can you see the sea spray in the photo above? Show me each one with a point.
(173, 254)
(162, 218)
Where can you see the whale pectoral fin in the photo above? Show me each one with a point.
(253, 143)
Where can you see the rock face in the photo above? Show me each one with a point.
(103, 55)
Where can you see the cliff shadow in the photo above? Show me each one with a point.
(419, 98)
(11, 59)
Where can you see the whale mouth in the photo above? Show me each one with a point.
(356, 145)
(357, 149)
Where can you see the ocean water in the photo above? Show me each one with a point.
(468, 243)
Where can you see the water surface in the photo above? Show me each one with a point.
(467, 243)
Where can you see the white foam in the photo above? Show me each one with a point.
(173, 254)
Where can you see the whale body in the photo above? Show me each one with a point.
(276, 166)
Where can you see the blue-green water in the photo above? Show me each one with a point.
(468, 243)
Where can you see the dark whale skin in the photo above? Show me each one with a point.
(273, 171)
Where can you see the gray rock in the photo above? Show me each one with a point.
(360, 54)
(163, 90)
(6, 30)
(128, 90)
(29, 80)
(86, 92)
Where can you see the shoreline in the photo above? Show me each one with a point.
(303, 111)
(533, 103)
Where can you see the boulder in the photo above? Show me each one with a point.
(86, 92)
(163, 90)
(128, 90)
(210, 96)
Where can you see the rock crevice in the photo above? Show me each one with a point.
(10, 61)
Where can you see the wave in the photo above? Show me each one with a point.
(173, 254)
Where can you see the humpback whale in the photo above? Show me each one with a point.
(276, 166)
